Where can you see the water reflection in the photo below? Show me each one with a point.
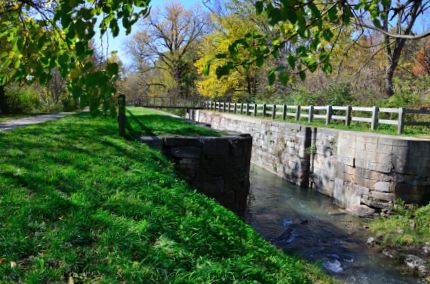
(310, 225)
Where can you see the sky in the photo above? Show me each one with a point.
(118, 43)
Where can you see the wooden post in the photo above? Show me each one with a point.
(241, 108)
(274, 112)
(229, 106)
(284, 112)
(247, 108)
(255, 109)
(235, 107)
(328, 115)
(121, 115)
(298, 113)
(348, 115)
(375, 118)
(264, 110)
(223, 106)
(401, 121)
(311, 114)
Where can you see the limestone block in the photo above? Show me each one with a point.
(360, 190)
(383, 186)
(362, 211)
(384, 196)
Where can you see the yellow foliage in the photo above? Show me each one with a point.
(230, 28)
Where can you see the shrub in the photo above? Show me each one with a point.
(22, 99)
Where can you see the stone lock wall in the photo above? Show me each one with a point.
(363, 172)
(216, 166)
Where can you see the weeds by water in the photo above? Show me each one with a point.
(408, 225)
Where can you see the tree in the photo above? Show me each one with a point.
(241, 80)
(312, 27)
(422, 60)
(167, 42)
(38, 36)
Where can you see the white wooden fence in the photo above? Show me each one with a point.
(348, 114)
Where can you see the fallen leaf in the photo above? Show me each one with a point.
(2, 260)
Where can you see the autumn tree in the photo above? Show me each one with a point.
(167, 42)
(422, 60)
(241, 82)
(313, 26)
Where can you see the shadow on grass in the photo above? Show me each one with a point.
(79, 201)
(159, 124)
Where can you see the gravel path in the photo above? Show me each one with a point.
(20, 122)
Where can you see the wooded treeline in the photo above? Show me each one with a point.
(172, 47)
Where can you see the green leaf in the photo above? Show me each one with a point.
(284, 77)
(302, 75)
(259, 7)
(292, 60)
(271, 77)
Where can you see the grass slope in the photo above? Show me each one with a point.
(152, 122)
(78, 202)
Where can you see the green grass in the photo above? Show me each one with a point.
(152, 122)
(406, 226)
(78, 201)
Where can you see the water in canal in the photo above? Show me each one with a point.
(310, 225)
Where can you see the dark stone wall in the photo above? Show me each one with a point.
(216, 166)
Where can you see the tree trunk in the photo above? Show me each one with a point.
(389, 88)
(4, 108)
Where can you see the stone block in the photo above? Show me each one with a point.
(383, 186)
(384, 196)
(186, 152)
(362, 211)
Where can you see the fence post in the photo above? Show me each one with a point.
(328, 115)
(241, 108)
(298, 113)
(235, 107)
(375, 115)
(311, 114)
(284, 112)
(121, 115)
(247, 108)
(274, 112)
(401, 121)
(264, 110)
(223, 106)
(255, 109)
(229, 106)
(348, 115)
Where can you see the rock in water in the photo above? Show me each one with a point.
(332, 265)
(426, 248)
(416, 263)
(389, 253)
(371, 241)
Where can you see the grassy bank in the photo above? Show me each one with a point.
(406, 226)
(78, 202)
(152, 122)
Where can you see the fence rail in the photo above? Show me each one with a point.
(166, 102)
(374, 116)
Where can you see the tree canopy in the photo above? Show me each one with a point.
(37, 36)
